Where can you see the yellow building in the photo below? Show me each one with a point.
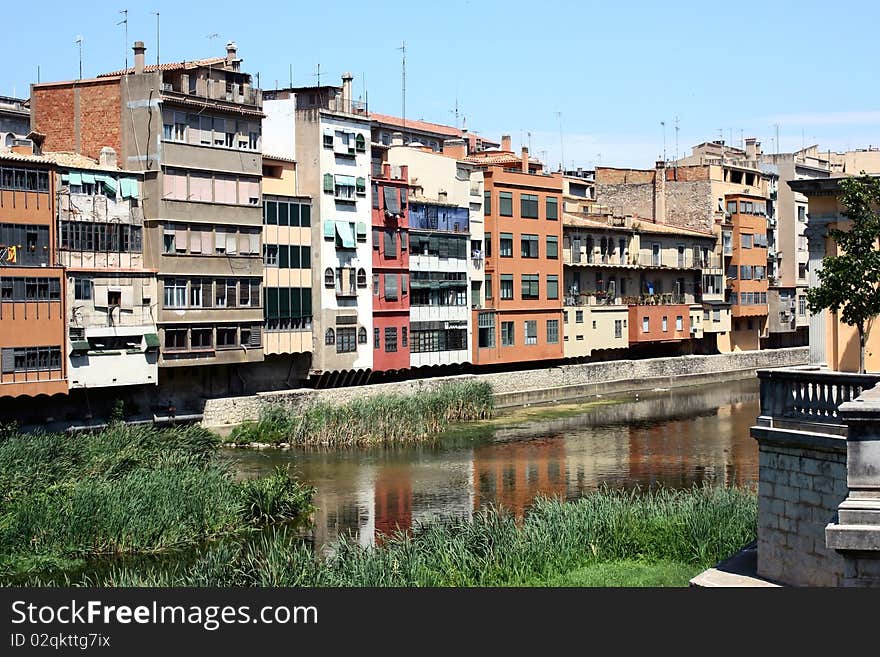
(287, 273)
(833, 344)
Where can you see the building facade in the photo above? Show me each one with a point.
(193, 129)
(32, 300)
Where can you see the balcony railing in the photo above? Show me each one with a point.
(808, 398)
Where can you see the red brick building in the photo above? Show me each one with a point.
(390, 268)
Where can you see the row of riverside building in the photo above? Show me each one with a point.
(173, 225)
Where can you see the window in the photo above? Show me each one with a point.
(390, 283)
(529, 246)
(664, 324)
(530, 283)
(507, 334)
(579, 316)
(488, 286)
(745, 272)
(345, 340)
(362, 335)
(82, 289)
(505, 204)
(507, 286)
(528, 206)
(505, 247)
(552, 208)
(531, 331)
(375, 338)
(270, 255)
(802, 270)
(618, 328)
(175, 292)
(731, 207)
(801, 213)
(175, 339)
(552, 247)
(552, 331)
(487, 203)
(360, 143)
(645, 325)
(802, 306)
(594, 324)
(226, 337)
(679, 323)
(390, 339)
(361, 278)
(375, 284)
(486, 330)
(716, 315)
(552, 286)
(329, 278)
(404, 341)
(746, 240)
(328, 143)
(329, 334)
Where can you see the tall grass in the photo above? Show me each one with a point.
(125, 490)
(378, 419)
(699, 526)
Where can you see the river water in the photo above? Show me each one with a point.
(674, 438)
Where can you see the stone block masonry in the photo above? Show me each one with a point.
(534, 386)
(800, 484)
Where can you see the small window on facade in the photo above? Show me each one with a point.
(329, 336)
(360, 143)
(329, 278)
(362, 335)
(361, 278)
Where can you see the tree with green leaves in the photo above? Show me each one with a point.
(850, 281)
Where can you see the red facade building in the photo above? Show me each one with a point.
(390, 268)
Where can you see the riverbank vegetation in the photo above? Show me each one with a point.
(374, 420)
(610, 537)
(126, 490)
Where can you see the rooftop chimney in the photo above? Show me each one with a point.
(753, 148)
(456, 148)
(660, 192)
(231, 59)
(525, 159)
(139, 50)
(505, 143)
(107, 158)
(346, 92)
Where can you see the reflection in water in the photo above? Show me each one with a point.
(674, 438)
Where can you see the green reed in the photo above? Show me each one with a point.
(698, 526)
(378, 419)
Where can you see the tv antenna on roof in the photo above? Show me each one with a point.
(403, 82)
(124, 21)
(157, 37)
(79, 42)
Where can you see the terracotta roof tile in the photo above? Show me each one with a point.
(170, 66)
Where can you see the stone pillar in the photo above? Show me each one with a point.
(816, 234)
(856, 534)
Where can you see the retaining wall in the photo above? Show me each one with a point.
(802, 480)
(534, 386)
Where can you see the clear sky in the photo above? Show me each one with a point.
(606, 72)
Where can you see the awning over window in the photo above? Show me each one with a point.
(75, 178)
(88, 178)
(79, 345)
(128, 187)
(343, 231)
(348, 181)
(152, 340)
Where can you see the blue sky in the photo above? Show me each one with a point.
(607, 73)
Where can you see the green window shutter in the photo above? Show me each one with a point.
(328, 182)
(283, 256)
(329, 230)
(361, 185)
(272, 303)
(296, 302)
(284, 302)
(361, 231)
(307, 302)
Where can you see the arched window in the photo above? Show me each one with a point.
(329, 336)
(361, 278)
(329, 279)
(360, 143)
(362, 335)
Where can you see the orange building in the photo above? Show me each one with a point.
(522, 317)
(32, 311)
(746, 269)
(660, 323)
